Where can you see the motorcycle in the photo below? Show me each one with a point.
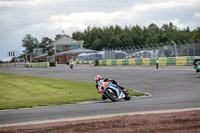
(114, 92)
(71, 65)
(197, 66)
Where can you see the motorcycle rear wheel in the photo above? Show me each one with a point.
(127, 95)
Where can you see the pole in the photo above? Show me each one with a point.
(54, 49)
(194, 49)
(175, 49)
(15, 58)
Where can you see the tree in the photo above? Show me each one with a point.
(107, 34)
(13, 59)
(59, 36)
(87, 43)
(97, 44)
(117, 30)
(196, 34)
(44, 43)
(126, 39)
(114, 36)
(137, 35)
(29, 43)
(78, 35)
(115, 42)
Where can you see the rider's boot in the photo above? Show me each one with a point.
(103, 97)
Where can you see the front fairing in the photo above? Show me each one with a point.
(112, 87)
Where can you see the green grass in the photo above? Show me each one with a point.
(17, 91)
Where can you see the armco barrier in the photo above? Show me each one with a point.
(40, 64)
(163, 61)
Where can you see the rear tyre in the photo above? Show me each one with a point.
(127, 95)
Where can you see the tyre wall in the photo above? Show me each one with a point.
(40, 64)
(179, 61)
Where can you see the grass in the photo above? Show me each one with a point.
(17, 91)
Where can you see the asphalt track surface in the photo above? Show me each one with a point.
(170, 87)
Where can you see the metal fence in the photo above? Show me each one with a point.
(16, 64)
(161, 50)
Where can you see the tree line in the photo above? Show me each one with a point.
(111, 37)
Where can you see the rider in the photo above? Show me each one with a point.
(196, 59)
(71, 63)
(99, 79)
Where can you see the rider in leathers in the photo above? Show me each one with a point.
(196, 59)
(99, 79)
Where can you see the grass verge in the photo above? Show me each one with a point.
(17, 91)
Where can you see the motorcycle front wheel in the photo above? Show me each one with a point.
(111, 95)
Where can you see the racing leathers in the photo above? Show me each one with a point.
(195, 63)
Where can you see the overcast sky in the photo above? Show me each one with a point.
(46, 18)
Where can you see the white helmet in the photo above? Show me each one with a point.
(97, 78)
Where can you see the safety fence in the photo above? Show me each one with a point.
(179, 61)
(32, 64)
(160, 50)
(12, 64)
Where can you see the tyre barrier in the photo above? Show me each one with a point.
(163, 61)
(40, 64)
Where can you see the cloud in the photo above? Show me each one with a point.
(134, 14)
(42, 18)
(196, 15)
(4, 3)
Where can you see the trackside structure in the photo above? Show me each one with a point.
(168, 54)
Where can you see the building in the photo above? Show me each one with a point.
(65, 56)
(62, 50)
(65, 43)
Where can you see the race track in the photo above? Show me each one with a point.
(171, 87)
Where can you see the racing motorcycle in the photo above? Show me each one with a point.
(114, 92)
(197, 66)
(71, 65)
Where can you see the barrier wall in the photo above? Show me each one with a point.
(179, 61)
(40, 64)
(84, 62)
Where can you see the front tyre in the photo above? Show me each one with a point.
(111, 95)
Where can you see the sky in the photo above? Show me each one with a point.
(46, 18)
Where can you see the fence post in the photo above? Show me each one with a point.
(175, 48)
(187, 47)
(194, 48)
(169, 49)
(181, 48)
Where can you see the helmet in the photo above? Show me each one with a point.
(98, 77)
